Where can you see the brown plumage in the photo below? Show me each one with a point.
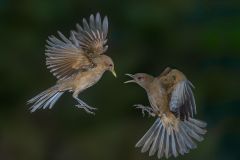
(78, 62)
(172, 102)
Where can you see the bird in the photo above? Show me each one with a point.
(175, 130)
(77, 62)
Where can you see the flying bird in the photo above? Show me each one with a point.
(78, 62)
(175, 131)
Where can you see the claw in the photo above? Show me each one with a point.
(149, 110)
(91, 108)
(87, 109)
(83, 104)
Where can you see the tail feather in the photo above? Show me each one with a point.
(167, 144)
(196, 128)
(174, 146)
(181, 144)
(146, 136)
(198, 123)
(55, 100)
(169, 140)
(156, 141)
(161, 143)
(46, 99)
(149, 141)
(187, 139)
(192, 132)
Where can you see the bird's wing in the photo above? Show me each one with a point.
(165, 72)
(68, 56)
(92, 36)
(182, 101)
(65, 56)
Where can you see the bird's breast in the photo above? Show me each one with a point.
(87, 79)
(158, 99)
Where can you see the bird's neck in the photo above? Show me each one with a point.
(100, 69)
(147, 86)
(149, 82)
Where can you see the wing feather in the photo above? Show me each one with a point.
(182, 100)
(92, 36)
(65, 57)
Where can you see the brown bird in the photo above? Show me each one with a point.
(78, 62)
(173, 103)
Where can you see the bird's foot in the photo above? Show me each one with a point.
(144, 109)
(86, 108)
(81, 103)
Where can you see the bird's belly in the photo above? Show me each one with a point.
(158, 101)
(86, 81)
(154, 102)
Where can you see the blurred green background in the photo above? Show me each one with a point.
(199, 37)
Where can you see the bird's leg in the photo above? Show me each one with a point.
(83, 105)
(147, 109)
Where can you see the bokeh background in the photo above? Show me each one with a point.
(199, 37)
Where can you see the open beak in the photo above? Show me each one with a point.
(130, 81)
(114, 73)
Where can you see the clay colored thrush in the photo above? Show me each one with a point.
(78, 62)
(173, 103)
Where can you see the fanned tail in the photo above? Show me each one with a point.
(46, 99)
(171, 138)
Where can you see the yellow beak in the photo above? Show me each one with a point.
(114, 73)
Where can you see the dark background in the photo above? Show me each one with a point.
(199, 37)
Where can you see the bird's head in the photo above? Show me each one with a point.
(108, 64)
(141, 79)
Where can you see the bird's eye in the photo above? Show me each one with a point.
(110, 65)
(140, 78)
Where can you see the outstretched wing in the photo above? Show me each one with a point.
(182, 101)
(92, 37)
(68, 56)
(65, 56)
